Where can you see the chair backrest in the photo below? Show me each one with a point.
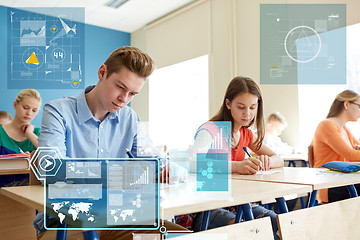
(256, 229)
(338, 220)
(311, 155)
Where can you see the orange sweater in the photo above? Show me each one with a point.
(333, 143)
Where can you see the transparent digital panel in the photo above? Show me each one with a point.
(118, 194)
(212, 151)
(303, 43)
(46, 48)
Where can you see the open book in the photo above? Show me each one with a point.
(17, 161)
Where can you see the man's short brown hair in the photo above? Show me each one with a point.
(132, 58)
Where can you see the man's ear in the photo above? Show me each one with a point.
(15, 104)
(102, 72)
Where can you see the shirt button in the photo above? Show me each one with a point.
(101, 126)
(101, 150)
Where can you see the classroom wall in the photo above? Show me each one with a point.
(233, 40)
(99, 43)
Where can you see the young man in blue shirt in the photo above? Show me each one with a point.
(98, 123)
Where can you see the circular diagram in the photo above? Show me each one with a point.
(302, 44)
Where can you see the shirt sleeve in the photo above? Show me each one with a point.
(53, 131)
(331, 135)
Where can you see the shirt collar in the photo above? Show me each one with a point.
(84, 112)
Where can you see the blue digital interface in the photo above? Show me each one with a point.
(103, 194)
(46, 48)
(213, 155)
(302, 43)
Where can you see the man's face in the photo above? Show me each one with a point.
(118, 89)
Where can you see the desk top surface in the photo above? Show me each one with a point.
(294, 157)
(318, 178)
(32, 196)
(183, 198)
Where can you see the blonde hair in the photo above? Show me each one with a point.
(276, 116)
(28, 93)
(132, 58)
(338, 104)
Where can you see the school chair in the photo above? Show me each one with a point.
(311, 155)
(338, 220)
(258, 229)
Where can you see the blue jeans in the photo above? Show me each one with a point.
(221, 217)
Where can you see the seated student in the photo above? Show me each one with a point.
(333, 142)
(20, 135)
(276, 123)
(243, 107)
(98, 123)
(5, 118)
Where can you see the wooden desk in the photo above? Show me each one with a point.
(30, 196)
(183, 199)
(17, 211)
(14, 171)
(317, 178)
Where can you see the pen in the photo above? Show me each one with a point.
(245, 149)
(21, 151)
(129, 153)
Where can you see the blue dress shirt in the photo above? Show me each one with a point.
(69, 125)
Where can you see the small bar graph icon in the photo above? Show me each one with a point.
(143, 179)
(217, 142)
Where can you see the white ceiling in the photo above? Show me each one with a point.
(129, 17)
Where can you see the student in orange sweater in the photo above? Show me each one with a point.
(333, 142)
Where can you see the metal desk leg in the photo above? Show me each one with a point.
(61, 234)
(306, 163)
(312, 198)
(205, 221)
(248, 215)
(302, 202)
(352, 191)
(239, 213)
(90, 235)
(292, 162)
(282, 205)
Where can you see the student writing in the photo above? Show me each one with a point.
(98, 123)
(20, 135)
(243, 107)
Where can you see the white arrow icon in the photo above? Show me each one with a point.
(47, 163)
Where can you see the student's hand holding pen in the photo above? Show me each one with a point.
(248, 167)
(259, 167)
